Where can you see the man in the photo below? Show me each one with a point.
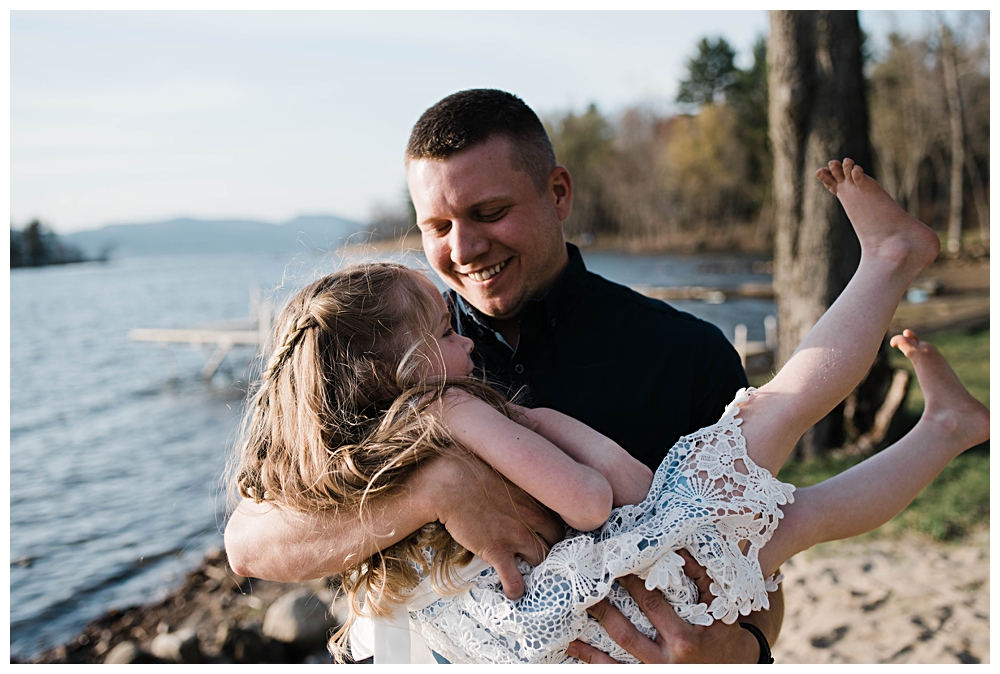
(490, 202)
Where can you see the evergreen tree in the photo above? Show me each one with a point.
(710, 73)
(36, 248)
(16, 254)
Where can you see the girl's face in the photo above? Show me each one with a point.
(449, 355)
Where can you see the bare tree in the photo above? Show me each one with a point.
(904, 104)
(817, 112)
(954, 98)
(964, 91)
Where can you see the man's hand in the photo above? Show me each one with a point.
(676, 641)
(495, 520)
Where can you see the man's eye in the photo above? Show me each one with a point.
(437, 230)
(494, 215)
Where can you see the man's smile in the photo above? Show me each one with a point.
(488, 273)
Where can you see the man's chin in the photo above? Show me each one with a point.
(490, 305)
(493, 309)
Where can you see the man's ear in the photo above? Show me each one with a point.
(561, 191)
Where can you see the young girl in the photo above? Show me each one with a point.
(368, 379)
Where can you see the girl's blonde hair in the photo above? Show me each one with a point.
(336, 418)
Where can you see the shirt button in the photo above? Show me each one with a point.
(519, 368)
(553, 323)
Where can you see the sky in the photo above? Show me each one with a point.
(123, 117)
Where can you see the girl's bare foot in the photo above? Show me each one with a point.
(947, 402)
(883, 228)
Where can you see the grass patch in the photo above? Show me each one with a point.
(958, 500)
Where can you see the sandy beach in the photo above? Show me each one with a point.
(910, 600)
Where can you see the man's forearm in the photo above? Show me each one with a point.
(483, 512)
(263, 541)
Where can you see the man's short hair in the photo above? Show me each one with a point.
(468, 118)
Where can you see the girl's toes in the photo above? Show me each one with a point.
(836, 170)
(825, 177)
(904, 343)
(847, 167)
(857, 174)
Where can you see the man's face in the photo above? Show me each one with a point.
(485, 228)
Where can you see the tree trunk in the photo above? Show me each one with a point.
(818, 112)
(955, 205)
(919, 131)
(980, 198)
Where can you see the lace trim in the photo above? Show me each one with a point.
(707, 497)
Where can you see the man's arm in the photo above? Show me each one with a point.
(264, 541)
(483, 512)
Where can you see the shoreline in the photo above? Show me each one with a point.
(905, 599)
(683, 246)
(216, 616)
(742, 242)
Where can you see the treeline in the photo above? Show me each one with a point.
(695, 179)
(930, 127)
(703, 178)
(36, 246)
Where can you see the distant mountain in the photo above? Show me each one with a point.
(189, 235)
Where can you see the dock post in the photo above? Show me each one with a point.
(771, 333)
(740, 342)
(216, 360)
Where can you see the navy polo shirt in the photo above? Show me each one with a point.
(629, 366)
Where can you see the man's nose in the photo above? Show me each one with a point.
(467, 242)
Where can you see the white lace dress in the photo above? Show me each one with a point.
(707, 497)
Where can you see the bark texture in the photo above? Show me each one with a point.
(818, 112)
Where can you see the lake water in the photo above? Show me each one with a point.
(117, 448)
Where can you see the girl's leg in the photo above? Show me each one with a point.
(840, 348)
(877, 489)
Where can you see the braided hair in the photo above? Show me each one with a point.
(337, 419)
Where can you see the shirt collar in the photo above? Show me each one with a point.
(468, 312)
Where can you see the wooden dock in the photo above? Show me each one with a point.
(224, 335)
(757, 357)
(762, 291)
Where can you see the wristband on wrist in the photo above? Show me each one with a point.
(765, 650)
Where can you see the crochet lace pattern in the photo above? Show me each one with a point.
(707, 497)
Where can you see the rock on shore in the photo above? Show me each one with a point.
(216, 616)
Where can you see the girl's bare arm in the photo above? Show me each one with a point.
(630, 478)
(581, 495)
